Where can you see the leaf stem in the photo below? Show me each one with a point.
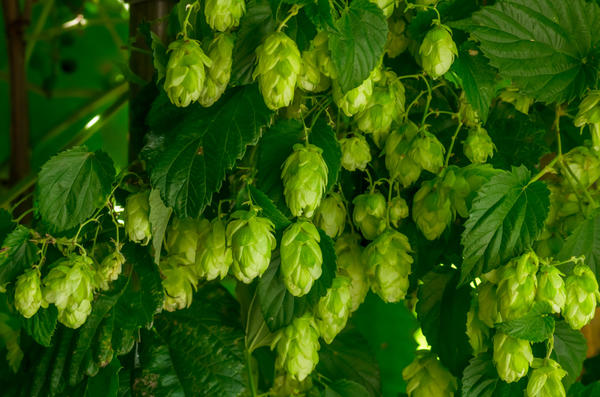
(253, 391)
(293, 12)
(428, 101)
(186, 21)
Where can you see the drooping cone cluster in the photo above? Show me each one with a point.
(70, 287)
(304, 176)
(582, 292)
(251, 240)
(109, 269)
(331, 215)
(432, 210)
(334, 308)
(279, 63)
(179, 283)
(182, 239)
(551, 288)
(546, 380)
(137, 222)
(397, 161)
(437, 51)
(298, 347)
(356, 153)
(28, 293)
(388, 262)
(478, 146)
(369, 214)
(398, 210)
(350, 263)
(512, 357)
(427, 377)
(517, 286)
(589, 113)
(213, 256)
(223, 15)
(185, 72)
(220, 51)
(301, 257)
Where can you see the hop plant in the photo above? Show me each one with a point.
(398, 210)
(589, 113)
(388, 263)
(356, 153)
(369, 214)
(582, 290)
(186, 72)
(28, 293)
(331, 215)
(432, 210)
(298, 347)
(279, 63)
(350, 264)
(220, 51)
(398, 163)
(182, 239)
(437, 51)
(320, 44)
(512, 357)
(301, 257)
(466, 114)
(333, 309)
(223, 15)
(179, 283)
(310, 78)
(397, 40)
(354, 100)
(387, 6)
(477, 332)
(213, 257)
(70, 287)
(251, 240)
(427, 377)
(545, 381)
(304, 176)
(517, 286)
(478, 146)
(110, 268)
(584, 165)
(551, 288)
(137, 223)
(428, 152)
(487, 304)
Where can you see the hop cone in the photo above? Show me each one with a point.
(350, 264)
(397, 41)
(356, 153)
(388, 265)
(432, 210)
(487, 304)
(182, 239)
(28, 293)
(213, 257)
(551, 288)
(477, 332)
(137, 223)
(428, 152)
(310, 78)
(321, 46)
(355, 100)
(301, 257)
(333, 309)
(478, 146)
(398, 210)
(223, 15)
(520, 101)
(331, 215)
(466, 114)
(397, 161)
(387, 6)
(437, 51)
(427, 377)
(179, 283)
(286, 386)
(304, 178)
(279, 63)
(582, 289)
(512, 357)
(517, 286)
(186, 73)
(369, 214)
(584, 165)
(109, 270)
(70, 286)
(251, 240)
(589, 113)
(298, 347)
(545, 381)
(220, 51)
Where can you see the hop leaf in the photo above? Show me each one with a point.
(28, 293)
(186, 73)
(298, 347)
(398, 210)
(369, 214)
(437, 51)
(426, 377)
(551, 288)
(432, 210)
(517, 286)
(179, 284)
(356, 153)
(398, 163)
(137, 223)
(350, 264)
(545, 381)
(582, 289)
(213, 257)
(512, 357)
(333, 309)
(182, 239)
(223, 15)
(220, 51)
(301, 257)
(331, 215)
(478, 146)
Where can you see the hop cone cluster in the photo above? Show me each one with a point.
(334, 308)
(331, 215)
(301, 257)
(350, 264)
(137, 223)
(179, 283)
(356, 153)
(551, 288)
(28, 293)
(186, 72)
(582, 290)
(545, 381)
(182, 239)
(304, 176)
(397, 161)
(512, 357)
(220, 51)
(478, 146)
(213, 257)
(432, 210)
(437, 51)
(223, 15)
(369, 214)
(517, 286)
(427, 377)
(298, 347)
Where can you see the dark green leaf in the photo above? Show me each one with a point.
(323, 136)
(345, 388)
(159, 56)
(579, 390)
(506, 217)
(450, 10)
(585, 240)
(269, 209)
(480, 379)
(106, 382)
(159, 219)
(358, 44)
(329, 267)
(319, 12)
(17, 254)
(533, 327)
(72, 185)
(6, 223)
(42, 325)
(570, 348)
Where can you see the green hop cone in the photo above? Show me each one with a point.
(584, 165)
(432, 210)
(546, 381)
(517, 286)
(551, 288)
(478, 146)
(301, 257)
(331, 215)
(298, 347)
(137, 222)
(310, 78)
(387, 6)
(398, 163)
(223, 15)
(182, 239)
(70, 287)
(427, 377)
(349, 261)
(582, 289)
(109, 270)
(279, 64)
(355, 100)
(388, 263)
(397, 40)
(333, 309)
(220, 51)
(179, 283)
(466, 114)
(186, 72)
(356, 153)
(520, 101)
(477, 332)
(427, 2)
(589, 113)
(304, 176)
(28, 293)
(512, 357)
(369, 214)
(285, 385)
(251, 240)
(213, 257)
(320, 44)
(428, 152)
(398, 210)
(437, 51)
(487, 304)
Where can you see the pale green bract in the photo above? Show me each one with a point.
(182, 239)
(186, 72)
(551, 288)
(213, 256)
(478, 146)
(369, 214)
(546, 381)
(137, 223)
(223, 15)
(356, 153)
(28, 293)
(179, 284)
(220, 51)
(477, 332)
(333, 309)
(437, 51)
(109, 270)
(398, 163)
(582, 290)
(298, 347)
(301, 257)
(331, 215)
(350, 263)
(517, 286)
(432, 210)
(487, 304)
(398, 210)
(512, 357)
(427, 377)
(427, 151)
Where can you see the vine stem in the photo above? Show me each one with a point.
(248, 355)
(428, 101)
(447, 160)
(293, 12)
(186, 21)
(543, 172)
